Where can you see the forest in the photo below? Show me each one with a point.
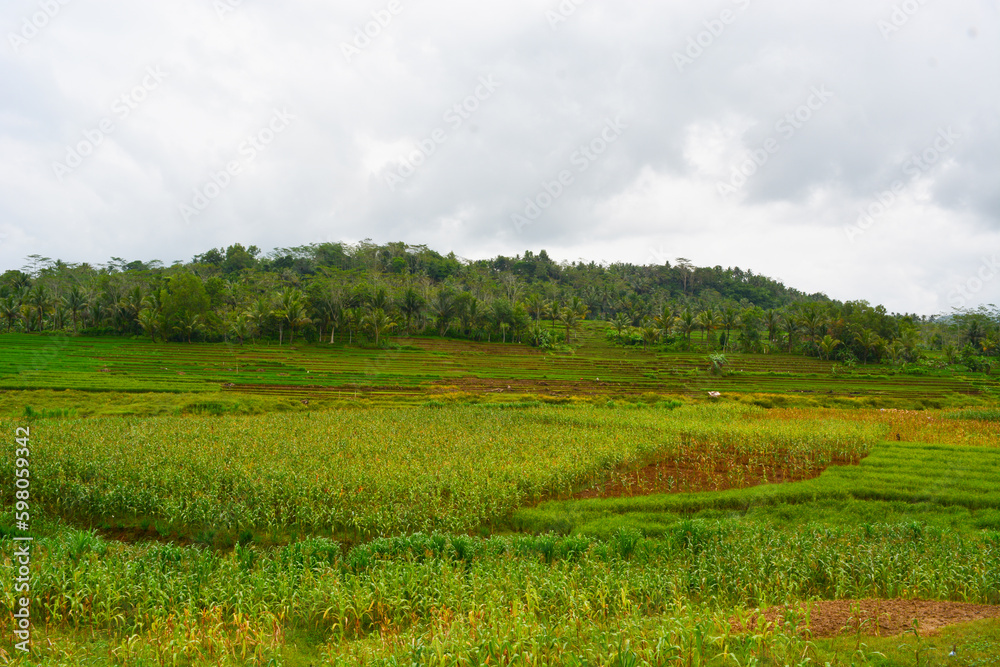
(367, 294)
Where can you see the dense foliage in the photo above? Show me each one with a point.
(367, 292)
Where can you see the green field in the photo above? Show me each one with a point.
(177, 375)
(404, 506)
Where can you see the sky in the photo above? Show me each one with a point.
(849, 148)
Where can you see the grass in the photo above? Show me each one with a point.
(915, 480)
(353, 506)
(459, 596)
(365, 473)
(421, 367)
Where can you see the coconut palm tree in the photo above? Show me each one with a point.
(896, 351)
(378, 322)
(650, 334)
(571, 315)
(149, 322)
(444, 309)
(257, 315)
(297, 316)
(709, 322)
(290, 305)
(188, 324)
(40, 300)
(790, 325)
(411, 304)
(10, 310)
(620, 323)
(813, 323)
(869, 342)
(665, 319)
(130, 305)
(535, 303)
(76, 301)
(730, 320)
(827, 346)
(772, 320)
(687, 322)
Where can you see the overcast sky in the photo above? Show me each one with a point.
(847, 147)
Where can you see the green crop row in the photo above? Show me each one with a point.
(902, 472)
(361, 474)
(460, 594)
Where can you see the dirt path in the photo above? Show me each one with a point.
(881, 618)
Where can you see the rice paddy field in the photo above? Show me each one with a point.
(444, 503)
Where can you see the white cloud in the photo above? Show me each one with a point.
(656, 187)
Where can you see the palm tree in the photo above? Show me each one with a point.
(149, 322)
(687, 323)
(910, 340)
(379, 299)
(188, 324)
(411, 304)
(772, 320)
(650, 334)
(571, 314)
(377, 322)
(26, 314)
(296, 315)
(130, 305)
(10, 309)
(76, 301)
(289, 306)
(535, 303)
(896, 351)
(730, 320)
(352, 319)
(827, 346)
(94, 312)
(444, 309)
(665, 320)
(39, 298)
(791, 326)
(709, 322)
(813, 323)
(620, 323)
(258, 314)
(974, 332)
(869, 342)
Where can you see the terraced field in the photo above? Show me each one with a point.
(418, 367)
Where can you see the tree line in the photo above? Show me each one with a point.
(367, 293)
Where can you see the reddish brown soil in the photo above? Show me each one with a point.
(727, 473)
(878, 618)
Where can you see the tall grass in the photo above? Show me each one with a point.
(362, 474)
(167, 602)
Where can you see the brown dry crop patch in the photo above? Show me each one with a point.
(875, 618)
(680, 475)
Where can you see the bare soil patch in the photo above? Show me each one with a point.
(685, 476)
(876, 618)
